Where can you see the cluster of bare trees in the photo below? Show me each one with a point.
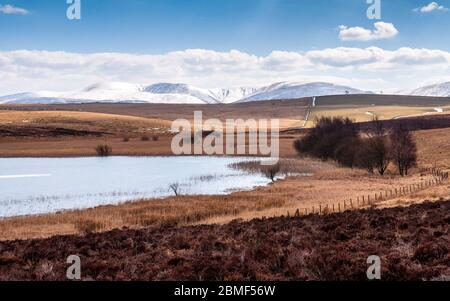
(341, 140)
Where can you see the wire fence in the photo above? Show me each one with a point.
(369, 200)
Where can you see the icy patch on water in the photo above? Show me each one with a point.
(45, 185)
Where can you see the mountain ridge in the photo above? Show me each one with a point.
(440, 90)
(178, 93)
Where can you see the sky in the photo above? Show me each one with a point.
(223, 43)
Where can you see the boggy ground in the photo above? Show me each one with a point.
(412, 242)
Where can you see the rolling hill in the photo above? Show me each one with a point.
(440, 90)
(178, 94)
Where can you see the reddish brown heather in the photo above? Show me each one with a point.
(413, 243)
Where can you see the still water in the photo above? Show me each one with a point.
(45, 185)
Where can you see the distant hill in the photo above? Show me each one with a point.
(439, 90)
(291, 90)
(115, 92)
(382, 100)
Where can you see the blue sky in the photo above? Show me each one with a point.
(254, 27)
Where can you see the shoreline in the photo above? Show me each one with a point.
(327, 186)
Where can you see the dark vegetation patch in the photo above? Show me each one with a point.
(341, 139)
(412, 242)
(36, 131)
(418, 123)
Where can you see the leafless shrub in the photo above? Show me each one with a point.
(285, 166)
(175, 188)
(377, 127)
(126, 139)
(271, 171)
(155, 138)
(145, 138)
(103, 150)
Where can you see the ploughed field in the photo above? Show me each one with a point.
(412, 242)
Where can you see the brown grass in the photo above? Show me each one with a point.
(434, 148)
(327, 186)
(171, 211)
(366, 113)
(291, 112)
(412, 242)
(102, 122)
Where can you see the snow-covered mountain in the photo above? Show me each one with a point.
(181, 89)
(290, 90)
(114, 92)
(440, 90)
(178, 93)
(233, 94)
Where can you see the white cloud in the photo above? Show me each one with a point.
(366, 68)
(382, 31)
(433, 6)
(12, 10)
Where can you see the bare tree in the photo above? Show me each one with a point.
(365, 156)
(271, 171)
(381, 154)
(377, 129)
(175, 187)
(403, 149)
